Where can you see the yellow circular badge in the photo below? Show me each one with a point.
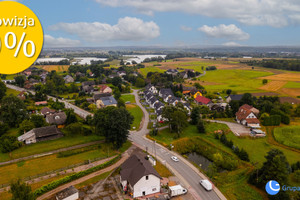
(21, 37)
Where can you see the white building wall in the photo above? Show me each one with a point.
(72, 197)
(150, 186)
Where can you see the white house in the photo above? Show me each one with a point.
(153, 101)
(70, 193)
(151, 88)
(138, 177)
(247, 116)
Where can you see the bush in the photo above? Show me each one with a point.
(9, 143)
(200, 126)
(67, 179)
(296, 176)
(273, 120)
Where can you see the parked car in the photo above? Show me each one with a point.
(174, 158)
(206, 184)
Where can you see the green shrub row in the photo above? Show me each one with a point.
(76, 151)
(273, 120)
(54, 184)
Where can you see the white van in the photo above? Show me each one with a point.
(206, 184)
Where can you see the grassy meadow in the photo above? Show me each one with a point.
(289, 136)
(137, 113)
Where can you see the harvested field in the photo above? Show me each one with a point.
(284, 77)
(273, 85)
(289, 100)
(58, 68)
(291, 91)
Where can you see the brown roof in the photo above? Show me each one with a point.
(136, 167)
(244, 111)
(252, 121)
(57, 118)
(46, 110)
(46, 131)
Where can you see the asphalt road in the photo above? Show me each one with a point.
(186, 172)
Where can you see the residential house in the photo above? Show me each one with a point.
(173, 100)
(201, 100)
(98, 95)
(41, 134)
(187, 107)
(159, 116)
(196, 93)
(104, 89)
(153, 101)
(246, 115)
(234, 97)
(113, 76)
(219, 107)
(159, 106)
(39, 103)
(183, 75)
(138, 177)
(106, 101)
(46, 111)
(22, 95)
(29, 86)
(165, 94)
(68, 79)
(151, 88)
(87, 86)
(121, 73)
(148, 97)
(172, 72)
(70, 193)
(56, 118)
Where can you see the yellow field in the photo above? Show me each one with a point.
(273, 85)
(284, 77)
(58, 68)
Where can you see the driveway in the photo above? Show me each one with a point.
(237, 129)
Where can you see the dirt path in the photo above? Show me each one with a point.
(50, 152)
(125, 155)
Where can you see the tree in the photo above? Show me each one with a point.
(12, 111)
(264, 81)
(116, 81)
(25, 126)
(21, 191)
(117, 94)
(113, 123)
(8, 143)
(71, 117)
(275, 167)
(3, 128)
(38, 120)
(121, 103)
(140, 82)
(198, 86)
(200, 126)
(195, 115)
(179, 121)
(228, 92)
(20, 80)
(247, 99)
(92, 107)
(2, 90)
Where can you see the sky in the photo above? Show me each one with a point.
(167, 23)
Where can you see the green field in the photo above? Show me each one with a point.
(128, 97)
(11, 91)
(46, 146)
(240, 81)
(291, 84)
(50, 163)
(289, 136)
(144, 71)
(137, 113)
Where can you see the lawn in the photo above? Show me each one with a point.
(11, 91)
(93, 180)
(291, 84)
(240, 81)
(137, 113)
(256, 148)
(46, 146)
(50, 163)
(144, 71)
(289, 136)
(162, 170)
(128, 97)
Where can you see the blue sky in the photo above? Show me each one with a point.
(68, 23)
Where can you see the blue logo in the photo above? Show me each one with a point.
(272, 187)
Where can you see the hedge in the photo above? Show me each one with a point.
(54, 184)
(273, 120)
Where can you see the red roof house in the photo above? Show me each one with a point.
(201, 100)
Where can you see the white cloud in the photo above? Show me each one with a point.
(50, 41)
(186, 28)
(231, 44)
(231, 32)
(274, 13)
(127, 29)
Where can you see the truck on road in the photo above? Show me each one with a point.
(176, 190)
